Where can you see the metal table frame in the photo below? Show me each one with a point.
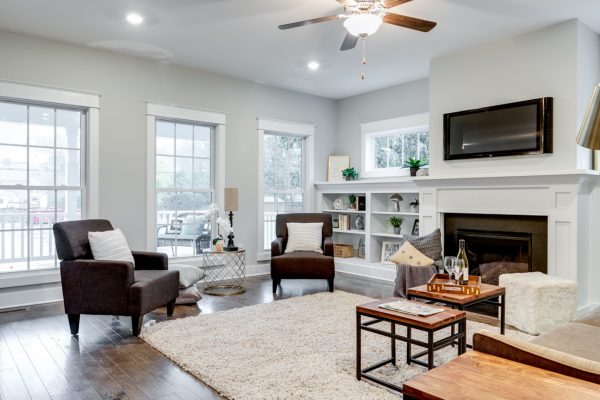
(225, 272)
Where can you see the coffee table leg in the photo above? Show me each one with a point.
(502, 313)
(430, 350)
(462, 342)
(358, 344)
(408, 346)
(452, 327)
(393, 331)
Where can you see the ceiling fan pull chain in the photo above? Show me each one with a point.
(364, 59)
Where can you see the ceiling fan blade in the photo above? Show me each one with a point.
(393, 3)
(409, 22)
(308, 22)
(349, 42)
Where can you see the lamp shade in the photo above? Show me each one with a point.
(589, 133)
(231, 199)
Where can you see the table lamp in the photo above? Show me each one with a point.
(231, 205)
(589, 132)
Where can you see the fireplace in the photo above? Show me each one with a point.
(498, 244)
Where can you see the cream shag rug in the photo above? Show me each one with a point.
(299, 348)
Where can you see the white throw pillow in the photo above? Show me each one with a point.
(304, 237)
(408, 254)
(188, 274)
(110, 246)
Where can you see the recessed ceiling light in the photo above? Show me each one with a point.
(313, 65)
(134, 19)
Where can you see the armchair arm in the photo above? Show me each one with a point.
(145, 260)
(96, 287)
(328, 246)
(277, 247)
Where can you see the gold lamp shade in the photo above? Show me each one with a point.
(589, 133)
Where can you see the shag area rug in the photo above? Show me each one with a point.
(299, 348)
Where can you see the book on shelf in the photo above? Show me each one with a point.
(344, 222)
(408, 307)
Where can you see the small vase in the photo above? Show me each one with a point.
(219, 246)
(396, 230)
(413, 171)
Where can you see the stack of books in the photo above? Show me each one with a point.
(345, 222)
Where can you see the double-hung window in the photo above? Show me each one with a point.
(42, 180)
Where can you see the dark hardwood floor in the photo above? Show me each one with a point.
(39, 359)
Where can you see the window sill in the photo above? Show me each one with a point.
(29, 278)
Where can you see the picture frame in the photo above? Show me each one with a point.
(335, 223)
(361, 249)
(415, 228)
(335, 166)
(388, 249)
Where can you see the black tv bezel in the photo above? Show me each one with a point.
(543, 137)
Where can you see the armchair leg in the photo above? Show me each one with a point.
(330, 284)
(276, 282)
(136, 324)
(74, 323)
(170, 308)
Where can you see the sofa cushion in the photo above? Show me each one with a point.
(152, 289)
(110, 246)
(430, 245)
(574, 338)
(407, 254)
(302, 265)
(592, 318)
(188, 274)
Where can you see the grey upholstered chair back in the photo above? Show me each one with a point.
(282, 220)
(71, 237)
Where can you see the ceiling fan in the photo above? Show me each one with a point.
(363, 18)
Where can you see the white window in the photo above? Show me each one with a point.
(286, 174)
(42, 180)
(182, 179)
(387, 145)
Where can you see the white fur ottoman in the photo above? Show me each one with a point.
(536, 302)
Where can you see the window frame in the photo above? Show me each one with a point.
(388, 127)
(285, 128)
(180, 114)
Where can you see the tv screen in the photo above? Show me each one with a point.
(508, 129)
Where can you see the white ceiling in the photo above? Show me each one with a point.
(240, 38)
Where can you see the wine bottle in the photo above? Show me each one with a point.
(462, 255)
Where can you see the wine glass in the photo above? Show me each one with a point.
(458, 269)
(449, 266)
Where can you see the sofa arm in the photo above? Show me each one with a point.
(277, 247)
(145, 260)
(95, 286)
(536, 356)
(328, 246)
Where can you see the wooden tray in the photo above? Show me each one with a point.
(439, 283)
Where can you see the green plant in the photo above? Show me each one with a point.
(352, 199)
(396, 222)
(413, 163)
(350, 172)
(216, 240)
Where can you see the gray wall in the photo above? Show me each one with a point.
(126, 83)
(396, 101)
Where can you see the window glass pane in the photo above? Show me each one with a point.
(41, 167)
(68, 205)
(201, 173)
(13, 165)
(13, 123)
(282, 163)
(165, 138)
(165, 172)
(395, 152)
(68, 129)
(68, 167)
(13, 209)
(410, 145)
(184, 139)
(183, 173)
(202, 141)
(167, 225)
(41, 209)
(15, 251)
(42, 251)
(381, 151)
(424, 147)
(41, 126)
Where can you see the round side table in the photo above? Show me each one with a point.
(225, 272)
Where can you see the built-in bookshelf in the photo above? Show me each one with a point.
(381, 201)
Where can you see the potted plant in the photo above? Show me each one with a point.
(414, 164)
(350, 174)
(352, 200)
(218, 243)
(414, 205)
(396, 222)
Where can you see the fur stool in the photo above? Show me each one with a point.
(536, 302)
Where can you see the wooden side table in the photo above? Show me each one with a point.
(431, 324)
(225, 272)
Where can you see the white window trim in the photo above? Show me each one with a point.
(289, 128)
(21, 91)
(160, 110)
(382, 128)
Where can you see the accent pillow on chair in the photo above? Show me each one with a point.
(110, 246)
(409, 255)
(306, 236)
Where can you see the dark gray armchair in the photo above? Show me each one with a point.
(110, 287)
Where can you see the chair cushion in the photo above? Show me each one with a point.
(304, 237)
(71, 237)
(592, 318)
(152, 289)
(188, 274)
(110, 246)
(430, 245)
(302, 265)
(409, 255)
(573, 338)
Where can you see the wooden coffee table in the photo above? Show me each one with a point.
(460, 301)
(477, 376)
(431, 324)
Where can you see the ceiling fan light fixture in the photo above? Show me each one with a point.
(363, 24)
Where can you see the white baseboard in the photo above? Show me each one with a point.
(258, 269)
(588, 308)
(30, 295)
(376, 271)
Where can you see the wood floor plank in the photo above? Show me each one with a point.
(12, 386)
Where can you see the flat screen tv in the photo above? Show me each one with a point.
(511, 129)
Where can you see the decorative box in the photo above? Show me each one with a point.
(439, 283)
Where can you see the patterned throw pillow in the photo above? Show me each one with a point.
(110, 246)
(304, 237)
(409, 255)
(430, 245)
